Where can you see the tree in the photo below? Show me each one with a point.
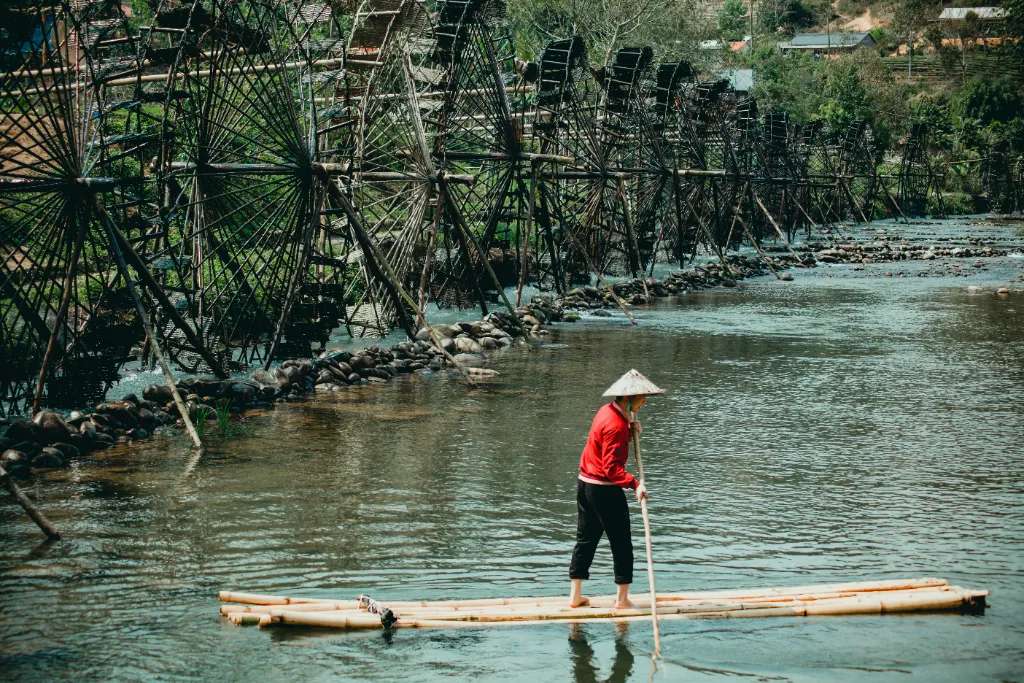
(790, 83)
(910, 18)
(986, 100)
(732, 19)
(785, 15)
(606, 25)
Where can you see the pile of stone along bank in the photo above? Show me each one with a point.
(51, 440)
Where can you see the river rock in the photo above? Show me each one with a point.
(147, 419)
(29, 448)
(68, 451)
(242, 393)
(786, 277)
(470, 360)
(354, 378)
(423, 334)
(481, 327)
(51, 427)
(324, 377)
(102, 440)
(87, 429)
(120, 413)
(338, 356)
(466, 345)
(14, 462)
(360, 362)
(205, 387)
(23, 430)
(1003, 291)
(158, 393)
(488, 343)
(48, 458)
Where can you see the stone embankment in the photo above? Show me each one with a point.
(51, 440)
(887, 252)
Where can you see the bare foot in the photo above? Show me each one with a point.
(624, 604)
(579, 602)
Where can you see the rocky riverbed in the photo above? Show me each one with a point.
(51, 440)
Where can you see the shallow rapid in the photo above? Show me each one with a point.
(848, 425)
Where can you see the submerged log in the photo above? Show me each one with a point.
(33, 512)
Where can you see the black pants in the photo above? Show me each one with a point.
(601, 510)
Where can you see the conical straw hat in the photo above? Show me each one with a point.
(633, 384)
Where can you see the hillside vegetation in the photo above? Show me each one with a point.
(963, 83)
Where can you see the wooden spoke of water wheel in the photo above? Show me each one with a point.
(250, 248)
(476, 135)
(392, 187)
(73, 151)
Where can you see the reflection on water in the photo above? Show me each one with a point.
(584, 667)
(843, 426)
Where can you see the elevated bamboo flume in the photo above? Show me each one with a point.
(837, 599)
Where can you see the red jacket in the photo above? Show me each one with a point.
(607, 450)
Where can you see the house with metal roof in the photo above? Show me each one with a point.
(823, 43)
(982, 13)
(740, 80)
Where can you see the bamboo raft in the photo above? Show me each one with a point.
(866, 597)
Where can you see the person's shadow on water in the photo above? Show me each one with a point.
(583, 668)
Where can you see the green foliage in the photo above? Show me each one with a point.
(787, 16)
(673, 29)
(732, 19)
(199, 417)
(986, 100)
(845, 98)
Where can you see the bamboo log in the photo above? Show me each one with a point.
(33, 512)
(742, 593)
(647, 536)
(430, 615)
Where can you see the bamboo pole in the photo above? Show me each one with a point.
(871, 602)
(62, 311)
(647, 538)
(802, 591)
(115, 248)
(33, 512)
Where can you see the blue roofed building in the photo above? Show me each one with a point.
(827, 43)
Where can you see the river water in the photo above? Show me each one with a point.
(844, 426)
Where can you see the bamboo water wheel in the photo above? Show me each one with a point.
(220, 184)
(73, 198)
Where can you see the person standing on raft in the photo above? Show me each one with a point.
(600, 500)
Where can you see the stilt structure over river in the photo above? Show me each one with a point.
(222, 183)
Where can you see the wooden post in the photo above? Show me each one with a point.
(468, 238)
(38, 517)
(383, 271)
(122, 246)
(115, 248)
(771, 220)
(647, 541)
(524, 258)
(62, 312)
